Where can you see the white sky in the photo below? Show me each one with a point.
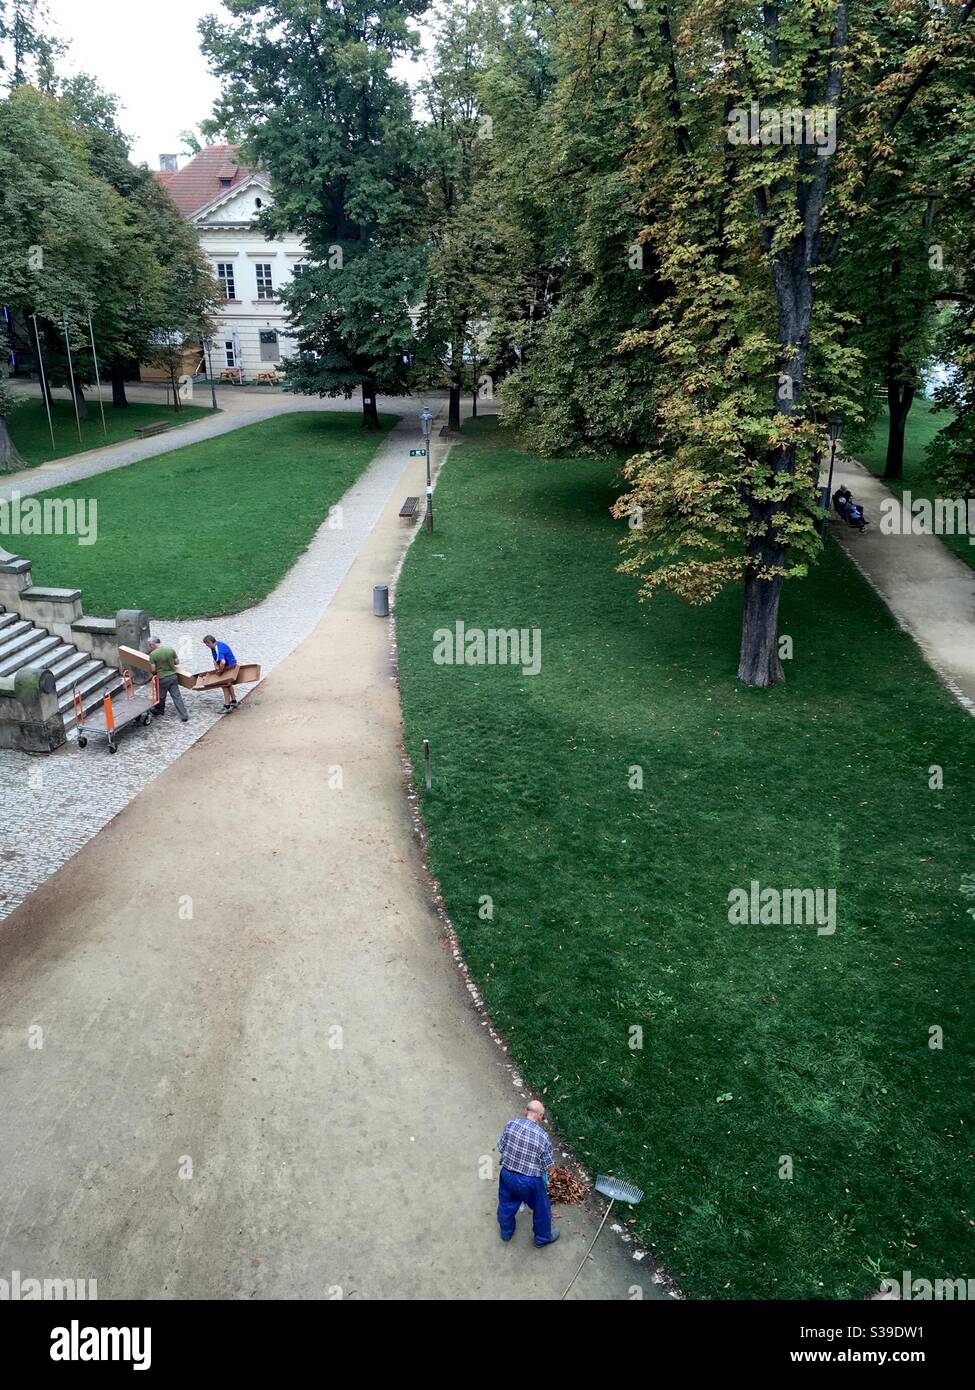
(148, 54)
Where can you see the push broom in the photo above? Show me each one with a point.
(617, 1191)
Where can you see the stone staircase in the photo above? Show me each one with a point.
(23, 643)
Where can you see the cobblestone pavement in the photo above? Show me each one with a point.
(51, 805)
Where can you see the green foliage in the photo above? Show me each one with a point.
(311, 87)
(28, 48)
(83, 231)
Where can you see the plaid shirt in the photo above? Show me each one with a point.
(525, 1148)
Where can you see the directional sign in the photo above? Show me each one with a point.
(418, 453)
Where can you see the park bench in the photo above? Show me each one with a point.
(157, 427)
(409, 507)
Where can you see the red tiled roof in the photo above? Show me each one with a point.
(198, 182)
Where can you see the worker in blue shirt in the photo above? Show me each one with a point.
(223, 660)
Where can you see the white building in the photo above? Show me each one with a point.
(222, 198)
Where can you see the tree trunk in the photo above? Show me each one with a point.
(174, 383)
(118, 388)
(10, 459)
(80, 398)
(759, 662)
(899, 402)
(474, 404)
(370, 411)
(453, 410)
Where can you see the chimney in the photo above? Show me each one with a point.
(168, 161)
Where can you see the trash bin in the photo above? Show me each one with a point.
(380, 600)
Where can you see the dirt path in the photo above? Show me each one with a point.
(928, 589)
(242, 979)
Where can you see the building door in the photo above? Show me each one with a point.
(270, 351)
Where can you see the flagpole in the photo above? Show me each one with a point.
(74, 394)
(98, 384)
(40, 364)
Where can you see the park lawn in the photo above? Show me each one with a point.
(760, 1044)
(213, 527)
(29, 431)
(923, 423)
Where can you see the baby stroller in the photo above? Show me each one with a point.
(848, 509)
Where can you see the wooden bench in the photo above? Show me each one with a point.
(409, 507)
(233, 374)
(157, 427)
(267, 378)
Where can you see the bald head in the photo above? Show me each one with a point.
(535, 1110)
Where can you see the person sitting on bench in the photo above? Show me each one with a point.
(851, 511)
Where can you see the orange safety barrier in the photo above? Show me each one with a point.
(109, 714)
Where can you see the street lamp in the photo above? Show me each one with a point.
(835, 430)
(208, 352)
(426, 419)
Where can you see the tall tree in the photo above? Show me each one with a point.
(751, 354)
(311, 86)
(29, 49)
(456, 138)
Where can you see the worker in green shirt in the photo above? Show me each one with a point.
(164, 661)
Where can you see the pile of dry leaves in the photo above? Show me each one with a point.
(565, 1188)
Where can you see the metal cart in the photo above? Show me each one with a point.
(107, 720)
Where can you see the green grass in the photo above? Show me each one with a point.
(211, 528)
(611, 904)
(29, 431)
(923, 423)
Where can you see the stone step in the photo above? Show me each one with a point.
(7, 618)
(110, 683)
(17, 636)
(32, 655)
(87, 678)
(65, 659)
(72, 670)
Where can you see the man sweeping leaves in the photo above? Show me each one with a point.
(526, 1157)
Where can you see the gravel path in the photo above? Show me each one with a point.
(50, 806)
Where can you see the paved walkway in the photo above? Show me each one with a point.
(237, 408)
(929, 590)
(262, 1075)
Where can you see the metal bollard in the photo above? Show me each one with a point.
(380, 600)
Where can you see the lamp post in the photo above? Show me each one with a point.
(835, 430)
(208, 353)
(426, 419)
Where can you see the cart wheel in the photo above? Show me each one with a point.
(82, 741)
(113, 747)
(147, 719)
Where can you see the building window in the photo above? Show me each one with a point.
(270, 352)
(265, 289)
(225, 274)
(230, 350)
